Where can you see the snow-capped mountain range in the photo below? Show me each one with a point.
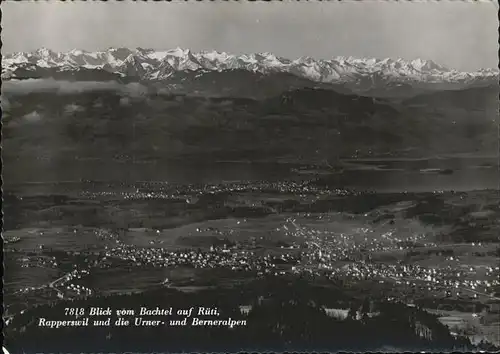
(149, 64)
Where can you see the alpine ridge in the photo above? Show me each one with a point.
(152, 65)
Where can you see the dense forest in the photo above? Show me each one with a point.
(286, 314)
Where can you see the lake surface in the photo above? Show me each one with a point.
(447, 173)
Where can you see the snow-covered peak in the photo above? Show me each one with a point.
(179, 52)
(76, 52)
(153, 64)
(45, 52)
(427, 65)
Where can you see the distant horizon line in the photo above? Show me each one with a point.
(378, 59)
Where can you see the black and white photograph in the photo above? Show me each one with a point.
(233, 176)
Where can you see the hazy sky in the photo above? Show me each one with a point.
(457, 34)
